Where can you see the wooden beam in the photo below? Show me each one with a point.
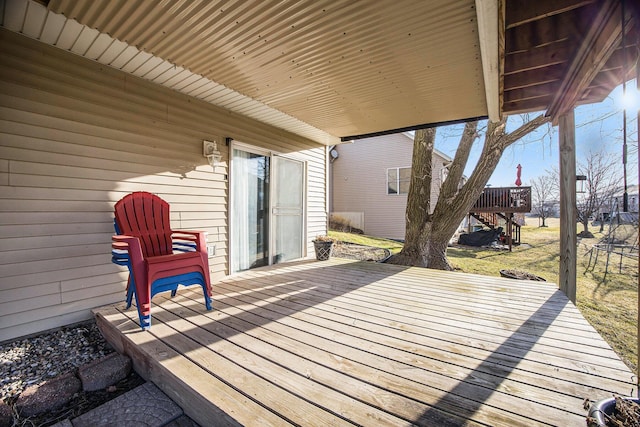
(534, 59)
(568, 238)
(526, 106)
(520, 12)
(616, 61)
(488, 32)
(529, 78)
(540, 33)
(531, 92)
(502, 52)
(637, 18)
(593, 52)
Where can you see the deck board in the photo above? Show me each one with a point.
(354, 343)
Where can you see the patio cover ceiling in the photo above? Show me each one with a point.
(338, 69)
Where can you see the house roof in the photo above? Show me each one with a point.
(411, 135)
(332, 69)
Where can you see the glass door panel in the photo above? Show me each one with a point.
(250, 187)
(288, 209)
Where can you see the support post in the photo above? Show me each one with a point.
(568, 238)
(638, 205)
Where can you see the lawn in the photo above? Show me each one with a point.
(610, 304)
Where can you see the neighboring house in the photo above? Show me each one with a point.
(632, 199)
(76, 136)
(370, 179)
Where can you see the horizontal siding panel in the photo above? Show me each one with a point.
(100, 187)
(186, 112)
(40, 242)
(35, 230)
(38, 218)
(31, 302)
(12, 271)
(106, 154)
(112, 103)
(38, 278)
(52, 316)
(118, 288)
(31, 326)
(75, 138)
(59, 253)
(209, 215)
(17, 294)
(116, 135)
(194, 179)
(211, 226)
(57, 206)
(96, 281)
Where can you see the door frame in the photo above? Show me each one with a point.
(238, 145)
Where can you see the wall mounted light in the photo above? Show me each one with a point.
(580, 183)
(210, 151)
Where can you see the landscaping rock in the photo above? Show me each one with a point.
(6, 414)
(104, 372)
(50, 395)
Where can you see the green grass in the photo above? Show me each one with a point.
(610, 305)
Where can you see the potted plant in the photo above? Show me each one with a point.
(324, 247)
(614, 411)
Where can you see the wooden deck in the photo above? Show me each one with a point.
(344, 342)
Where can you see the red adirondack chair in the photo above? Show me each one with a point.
(159, 259)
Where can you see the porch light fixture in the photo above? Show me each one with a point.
(580, 183)
(210, 151)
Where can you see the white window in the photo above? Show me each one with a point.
(398, 180)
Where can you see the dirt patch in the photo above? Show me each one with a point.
(359, 252)
(520, 275)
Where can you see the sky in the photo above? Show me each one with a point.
(598, 127)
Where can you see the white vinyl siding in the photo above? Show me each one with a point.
(360, 182)
(75, 137)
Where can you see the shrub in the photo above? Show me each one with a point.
(340, 223)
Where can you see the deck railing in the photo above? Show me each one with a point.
(504, 199)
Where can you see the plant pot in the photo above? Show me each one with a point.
(323, 249)
(601, 409)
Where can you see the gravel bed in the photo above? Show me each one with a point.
(38, 358)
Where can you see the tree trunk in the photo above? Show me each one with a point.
(585, 230)
(428, 247)
(428, 233)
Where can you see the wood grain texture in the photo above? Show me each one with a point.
(376, 344)
(568, 238)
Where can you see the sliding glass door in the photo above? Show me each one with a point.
(267, 209)
(288, 209)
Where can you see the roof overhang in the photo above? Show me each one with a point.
(334, 70)
(564, 53)
(321, 69)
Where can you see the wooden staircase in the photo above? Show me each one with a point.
(503, 207)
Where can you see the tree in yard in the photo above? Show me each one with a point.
(544, 191)
(428, 231)
(603, 178)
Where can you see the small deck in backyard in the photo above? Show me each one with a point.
(345, 342)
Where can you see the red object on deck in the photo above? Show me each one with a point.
(142, 221)
(518, 180)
